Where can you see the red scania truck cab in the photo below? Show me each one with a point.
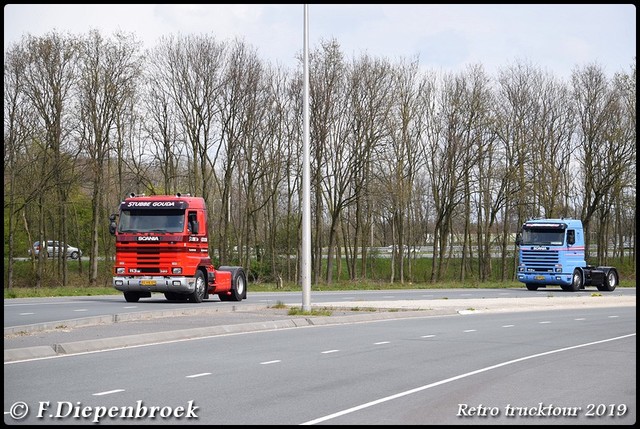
(162, 246)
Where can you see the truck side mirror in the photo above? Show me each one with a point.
(518, 239)
(571, 237)
(112, 224)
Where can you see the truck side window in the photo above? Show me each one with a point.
(571, 237)
(193, 222)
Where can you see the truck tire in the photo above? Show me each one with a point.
(199, 291)
(532, 286)
(131, 296)
(610, 281)
(238, 285)
(576, 281)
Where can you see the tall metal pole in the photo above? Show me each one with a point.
(305, 264)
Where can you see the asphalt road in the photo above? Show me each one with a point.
(572, 363)
(115, 323)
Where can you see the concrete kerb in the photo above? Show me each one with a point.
(124, 317)
(167, 336)
(87, 346)
(27, 353)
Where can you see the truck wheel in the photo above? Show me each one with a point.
(131, 296)
(576, 280)
(238, 285)
(531, 286)
(610, 281)
(198, 294)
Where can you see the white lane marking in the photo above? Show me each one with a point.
(581, 318)
(108, 392)
(457, 377)
(198, 375)
(427, 336)
(26, 314)
(329, 351)
(81, 309)
(469, 330)
(612, 317)
(508, 326)
(130, 306)
(544, 321)
(270, 362)
(381, 342)
(39, 303)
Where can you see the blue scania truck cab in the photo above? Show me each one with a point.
(552, 252)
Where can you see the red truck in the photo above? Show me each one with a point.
(162, 246)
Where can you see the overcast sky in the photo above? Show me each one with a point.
(445, 37)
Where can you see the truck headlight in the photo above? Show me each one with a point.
(176, 270)
(120, 270)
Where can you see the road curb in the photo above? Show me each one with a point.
(102, 344)
(84, 322)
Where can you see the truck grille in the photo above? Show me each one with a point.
(540, 260)
(148, 259)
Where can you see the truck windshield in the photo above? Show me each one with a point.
(146, 220)
(535, 236)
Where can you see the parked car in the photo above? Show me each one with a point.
(55, 247)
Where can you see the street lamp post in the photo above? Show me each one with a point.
(305, 268)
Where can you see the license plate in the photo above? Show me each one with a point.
(148, 282)
(539, 277)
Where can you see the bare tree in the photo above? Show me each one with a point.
(161, 127)
(605, 152)
(49, 81)
(447, 160)
(277, 154)
(404, 154)
(478, 171)
(370, 86)
(515, 111)
(326, 93)
(17, 133)
(108, 78)
(625, 206)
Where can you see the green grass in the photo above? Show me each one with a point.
(297, 311)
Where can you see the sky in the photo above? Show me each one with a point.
(444, 38)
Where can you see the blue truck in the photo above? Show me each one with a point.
(552, 252)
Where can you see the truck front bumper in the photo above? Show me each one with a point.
(184, 285)
(562, 279)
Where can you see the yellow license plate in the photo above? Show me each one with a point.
(148, 282)
(539, 277)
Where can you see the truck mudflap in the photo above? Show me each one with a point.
(182, 285)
